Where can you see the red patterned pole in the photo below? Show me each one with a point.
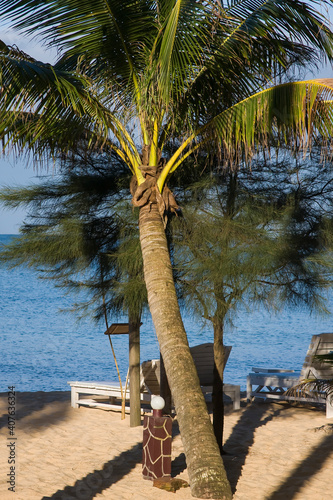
(157, 437)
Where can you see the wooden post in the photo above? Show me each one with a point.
(132, 328)
(134, 373)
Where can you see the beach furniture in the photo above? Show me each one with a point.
(203, 356)
(106, 394)
(272, 383)
(99, 391)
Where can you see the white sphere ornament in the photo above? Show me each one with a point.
(157, 403)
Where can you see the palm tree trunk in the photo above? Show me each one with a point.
(205, 466)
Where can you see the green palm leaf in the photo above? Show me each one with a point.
(28, 84)
(296, 112)
(181, 50)
(273, 19)
(46, 108)
(293, 113)
(165, 71)
(253, 33)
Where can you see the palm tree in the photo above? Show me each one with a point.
(137, 74)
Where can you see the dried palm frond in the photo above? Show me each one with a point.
(314, 388)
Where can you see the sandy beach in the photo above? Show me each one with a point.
(274, 451)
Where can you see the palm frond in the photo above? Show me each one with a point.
(103, 28)
(292, 114)
(162, 63)
(315, 387)
(273, 20)
(48, 109)
(103, 40)
(185, 34)
(295, 113)
(312, 388)
(254, 32)
(28, 85)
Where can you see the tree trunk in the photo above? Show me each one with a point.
(217, 397)
(134, 371)
(205, 467)
(165, 388)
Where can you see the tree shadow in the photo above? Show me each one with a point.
(97, 481)
(309, 467)
(112, 471)
(27, 403)
(178, 464)
(242, 438)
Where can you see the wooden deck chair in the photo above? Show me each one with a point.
(150, 377)
(272, 383)
(203, 357)
(101, 390)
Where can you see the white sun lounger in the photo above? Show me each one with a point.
(149, 385)
(272, 383)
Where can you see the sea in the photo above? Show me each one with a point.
(43, 345)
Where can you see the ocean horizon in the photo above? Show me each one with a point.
(43, 346)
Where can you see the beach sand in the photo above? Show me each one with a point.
(275, 451)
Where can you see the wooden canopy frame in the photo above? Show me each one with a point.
(133, 363)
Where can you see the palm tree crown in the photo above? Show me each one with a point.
(195, 71)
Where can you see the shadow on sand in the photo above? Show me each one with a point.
(242, 438)
(112, 471)
(237, 447)
(99, 480)
(309, 467)
(29, 403)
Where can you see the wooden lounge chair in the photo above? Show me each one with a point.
(272, 383)
(203, 356)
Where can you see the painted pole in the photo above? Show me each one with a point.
(157, 438)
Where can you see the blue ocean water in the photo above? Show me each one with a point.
(42, 348)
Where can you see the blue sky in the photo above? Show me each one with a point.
(16, 172)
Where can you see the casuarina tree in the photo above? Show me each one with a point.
(136, 74)
(81, 232)
(249, 238)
